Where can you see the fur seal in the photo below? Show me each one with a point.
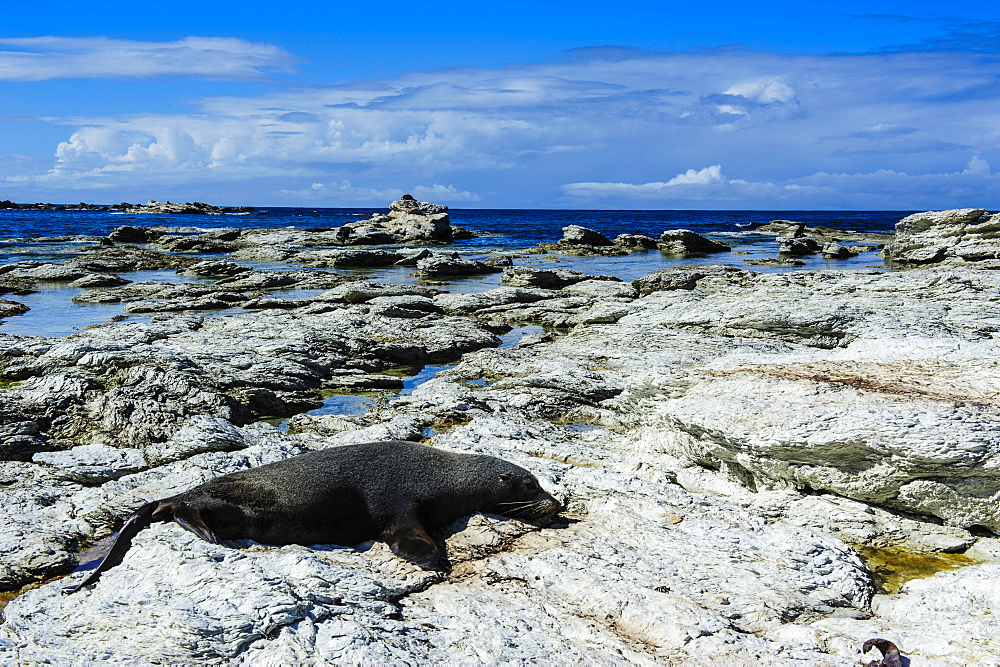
(391, 490)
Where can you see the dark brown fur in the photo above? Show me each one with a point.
(392, 490)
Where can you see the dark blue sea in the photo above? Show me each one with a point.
(506, 228)
(46, 235)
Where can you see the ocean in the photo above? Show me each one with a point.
(47, 235)
(507, 228)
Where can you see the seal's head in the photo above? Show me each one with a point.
(522, 497)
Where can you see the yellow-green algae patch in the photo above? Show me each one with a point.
(891, 567)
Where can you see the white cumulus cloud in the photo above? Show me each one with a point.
(588, 130)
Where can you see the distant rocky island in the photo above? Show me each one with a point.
(152, 206)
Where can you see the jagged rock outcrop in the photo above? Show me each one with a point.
(440, 266)
(965, 234)
(577, 235)
(683, 242)
(132, 384)
(526, 276)
(408, 221)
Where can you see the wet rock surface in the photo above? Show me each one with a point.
(731, 447)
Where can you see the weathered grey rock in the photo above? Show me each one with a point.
(132, 384)
(603, 289)
(526, 276)
(200, 243)
(412, 260)
(468, 304)
(214, 269)
(685, 242)
(708, 278)
(636, 242)
(165, 293)
(934, 236)
(820, 234)
(798, 246)
(99, 280)
(129, 258)
(837, 251)
(90, 464)
(133, 234)
(785, 228)
(577, 235)
(773, 261)
(360, 291)
(266, 280)
(11, 308)
(403, 306)
(408, 221)
(43, 271)
(440, 266)
(187, 208)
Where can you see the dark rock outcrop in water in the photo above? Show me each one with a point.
(187, 208)
(408, 221)
(152, 206)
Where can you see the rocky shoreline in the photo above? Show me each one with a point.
(757, 467)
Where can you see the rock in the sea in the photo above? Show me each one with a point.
(187, 208)
(837, 251)
(408, 221)
(684, 242)
(798, 246)
(785, 228)
(99, 280)
(441, 266)
(11, 308)
(130, 258)
(959, 234)
(525, 276)
(577, 235)
(134, 234)
(636, 242)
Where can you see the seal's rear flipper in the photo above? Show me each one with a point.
(190, 518)
(141, 518)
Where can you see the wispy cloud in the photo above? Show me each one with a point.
(601, 127)
(41, 58)
(884, 188)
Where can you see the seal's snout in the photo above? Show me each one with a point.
(549, 505)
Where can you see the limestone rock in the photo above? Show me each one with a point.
(837, 251)
(798, 246)
(11, 308)
(134, 234)
(577, 235)
(959, 234)
(636, 242)
(684, 242)
(439, 266)
(524, 276)
(408, 221)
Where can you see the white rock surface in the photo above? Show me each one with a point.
(722, 444)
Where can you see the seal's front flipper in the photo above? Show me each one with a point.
(408, 539)
(189, 518)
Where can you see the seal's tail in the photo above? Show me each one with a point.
(141, 518)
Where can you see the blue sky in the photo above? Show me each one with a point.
(725, 105)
